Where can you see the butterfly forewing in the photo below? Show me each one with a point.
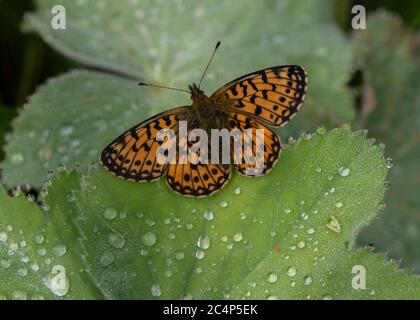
(133, 154)
(271, 95)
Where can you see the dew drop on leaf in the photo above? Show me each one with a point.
(203, 242)
(291, 271)
(208, 215)
(343, 171)
(155, 290)
(149, 239)
(59, 250)
(107, 257)
(237, 237)
(223, 204)
(116, 240)
(307, 280)
(272, 277)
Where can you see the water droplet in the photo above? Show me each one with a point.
(338, 204)
(208, 215)
(223, 238)
(200, 254)
(189, 226)
(203, 242)
(326, 297)
(389, 163)
(271, 297)
(149, 239)
(179, 255)
(381, 206)
(242, 215)
(39, 238)
(66, 130)
(287, 210)
(272, 277)
(307, 280)
(237, 191)
(344, 172)
(150, 222)
(372, 292)
(171, 236)
(19, 295)
(304, 216)
(3, 236)
(17, 159)
(5, 264)
(318, 169)
(107, 257)
(109, 213)
(57, 281)
(237, 237)
(334, 225)
(310, 231)
(59, 250)
(116, 240)
(301, 244)
(332, 190)
(223, 204)
(23, 272)
(35, 267)
(155, 290)
(291, 272)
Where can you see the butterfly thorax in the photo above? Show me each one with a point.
(205, 111)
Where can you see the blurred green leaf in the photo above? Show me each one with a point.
(391, 111)
(6, 116)
(147, 40)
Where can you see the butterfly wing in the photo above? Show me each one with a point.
(265, 154)
(271, 95)
(196, 179)
(133, 155)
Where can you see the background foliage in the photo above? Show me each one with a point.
(369, 79)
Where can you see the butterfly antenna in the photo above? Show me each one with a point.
(161, 87)
(208, 64)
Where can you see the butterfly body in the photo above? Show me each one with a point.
(205, 111)
(270, 96)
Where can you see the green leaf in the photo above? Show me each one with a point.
(145, 242)
(146, 40)
(273, 238)
(391, 112)
(35, 248)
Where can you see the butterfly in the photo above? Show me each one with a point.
(268, 97)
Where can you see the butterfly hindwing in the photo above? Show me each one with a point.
(198, 179)
(271, 95)
(132, 155)
(265, 155)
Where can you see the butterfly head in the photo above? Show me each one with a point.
(196, 93)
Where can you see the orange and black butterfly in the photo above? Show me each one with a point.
(271, 96)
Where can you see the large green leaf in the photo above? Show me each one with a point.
(391, 111)
(168, 43)
(289, 234)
